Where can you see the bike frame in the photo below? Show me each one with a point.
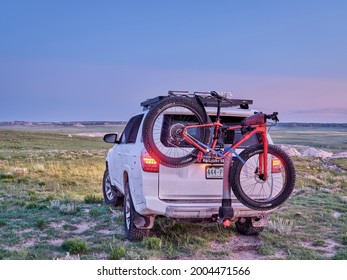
(260, 129)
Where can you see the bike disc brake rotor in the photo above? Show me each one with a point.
(176, 133)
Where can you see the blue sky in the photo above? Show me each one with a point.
(97, 60)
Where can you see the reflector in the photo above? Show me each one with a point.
(276, 165)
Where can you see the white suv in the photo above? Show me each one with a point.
(149, 189)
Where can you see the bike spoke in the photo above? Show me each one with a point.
(252, 184)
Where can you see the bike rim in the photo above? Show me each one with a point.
(257, 189)
(167, 132)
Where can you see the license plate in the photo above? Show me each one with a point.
(214, 172)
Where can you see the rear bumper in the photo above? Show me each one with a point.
(177, 210)
(148, 203)
(207, 212)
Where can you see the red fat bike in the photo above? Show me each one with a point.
(177, 132)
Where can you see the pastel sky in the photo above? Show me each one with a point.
(75, 60)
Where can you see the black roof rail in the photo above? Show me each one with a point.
(205, 97)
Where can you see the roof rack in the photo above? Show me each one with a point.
(205, 97)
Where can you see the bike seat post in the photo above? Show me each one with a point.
(218, 109)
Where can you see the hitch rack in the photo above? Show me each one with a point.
(205, 97)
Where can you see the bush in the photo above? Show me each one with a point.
(93, 199)
(281, 225)
(117, 252)
(76, 246)
(41, 224)
(153, 243)
(33, 196)
(94, 213)
(344, 239)
(55, 205)
(69, 209)
(64, 208)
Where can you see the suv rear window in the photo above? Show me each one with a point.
(129, 134)
(170, 120)
(230, 120)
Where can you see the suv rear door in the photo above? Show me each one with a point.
(121, 151)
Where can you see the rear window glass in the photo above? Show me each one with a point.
(170, 120)
(131, 129)
(230, 120)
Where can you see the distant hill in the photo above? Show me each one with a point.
(89, 123)
(74, 123)
(295, 124)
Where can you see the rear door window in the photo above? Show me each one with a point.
(131, 129)
(171, 120)
(232, 120)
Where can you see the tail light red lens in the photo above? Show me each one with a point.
(148, 163)
(276, 165)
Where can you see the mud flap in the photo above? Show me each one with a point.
(261, 221)
(143, 222)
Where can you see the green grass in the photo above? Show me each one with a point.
(332, 139)
(51, 208)
(76, 246)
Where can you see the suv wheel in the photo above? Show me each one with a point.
(111, 194)
(132, 232)
(245, 227)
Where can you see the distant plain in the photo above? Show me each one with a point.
(51, 204)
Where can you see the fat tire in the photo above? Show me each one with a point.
(131, 231)
(287, 188)
(245, 227)
(154, 113)
(111, 195)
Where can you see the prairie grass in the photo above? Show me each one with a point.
(50, 195)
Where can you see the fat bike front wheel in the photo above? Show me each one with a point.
(251, 187)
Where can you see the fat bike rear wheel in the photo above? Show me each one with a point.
(163, 126)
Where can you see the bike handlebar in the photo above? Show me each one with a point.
(273, 117)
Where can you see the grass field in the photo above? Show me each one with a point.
(332, 139)
(51, 207)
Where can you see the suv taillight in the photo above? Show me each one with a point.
(148, 163)
(276, 165)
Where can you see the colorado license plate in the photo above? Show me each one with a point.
(214, 172)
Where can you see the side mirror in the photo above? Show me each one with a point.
(111, 138)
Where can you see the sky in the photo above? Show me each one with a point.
(81, 60)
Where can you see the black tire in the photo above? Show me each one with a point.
(131, 231)
(162, 130)
(245, 227)
(248, 185)
(111, 194)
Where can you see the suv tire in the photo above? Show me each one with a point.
(111, 194)
(131, 231)
(245, 227)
